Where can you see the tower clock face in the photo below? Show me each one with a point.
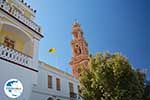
(77, 49)
(76, 46)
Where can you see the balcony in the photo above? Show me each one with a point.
(73, 96)
(16, 57)
(19, 16)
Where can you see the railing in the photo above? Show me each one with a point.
(73, 96)
(15, 56)
(6, 7)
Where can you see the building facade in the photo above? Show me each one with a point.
(19, 40)
(19, 44)
(79, 46)
(54, 84)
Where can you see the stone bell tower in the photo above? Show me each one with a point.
(79, 46)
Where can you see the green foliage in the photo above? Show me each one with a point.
(111, 77)
(147, 91)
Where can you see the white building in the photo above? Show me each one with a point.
(55, 84)
(19, 44)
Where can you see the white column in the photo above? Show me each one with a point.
(35, 59)
(1, 24)
(35, 53)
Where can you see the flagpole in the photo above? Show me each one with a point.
(56, 60)
(53, 52)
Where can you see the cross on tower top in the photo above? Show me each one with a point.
(76, 23)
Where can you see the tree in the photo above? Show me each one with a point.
(111, 77)
(147, 91)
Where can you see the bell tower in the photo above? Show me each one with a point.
(79, 46)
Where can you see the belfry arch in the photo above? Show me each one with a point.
(23, 41)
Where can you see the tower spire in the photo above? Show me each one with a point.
(79, 49)
(76, 22)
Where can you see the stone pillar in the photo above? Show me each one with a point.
(1, 24)
(35, 59)
(35, 53)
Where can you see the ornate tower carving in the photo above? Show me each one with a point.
(79, 50)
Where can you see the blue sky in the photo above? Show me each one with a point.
(108, 25)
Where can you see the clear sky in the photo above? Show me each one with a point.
(108, 25)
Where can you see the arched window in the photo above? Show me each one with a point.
(50, 98)
(9, 43)
(79, 51)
